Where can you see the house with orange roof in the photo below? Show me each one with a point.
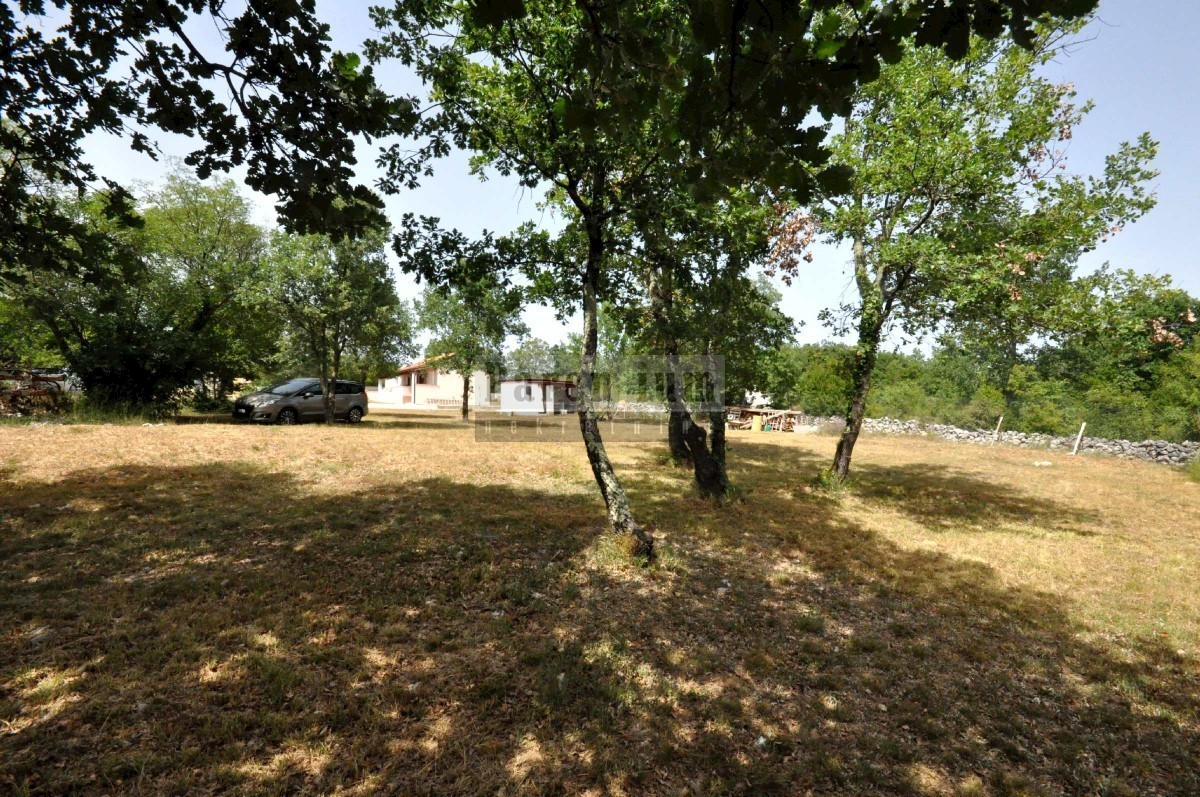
(424, 385)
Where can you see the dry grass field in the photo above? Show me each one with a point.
(395, 608)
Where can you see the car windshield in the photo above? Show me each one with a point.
(289, 387)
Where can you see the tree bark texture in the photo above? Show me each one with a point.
(620, 514)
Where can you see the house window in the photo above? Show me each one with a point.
(427, 377)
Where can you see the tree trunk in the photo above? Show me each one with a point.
(662, 298)
(329, 387)
(716, 413)
(864, 364)
(716, 423)
(708, 449)
(707, 469)
(677, 419)
(620, 515)
(1010, 363)
(466, 395)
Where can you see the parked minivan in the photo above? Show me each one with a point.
(299, 400)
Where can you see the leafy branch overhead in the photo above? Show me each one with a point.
(270, 96)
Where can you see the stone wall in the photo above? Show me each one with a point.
(1152, 450)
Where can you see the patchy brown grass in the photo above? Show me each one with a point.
(396, 608)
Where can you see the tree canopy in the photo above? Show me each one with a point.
(338, 298)
(171, 302)
(959, 199)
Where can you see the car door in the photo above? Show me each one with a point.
(342, 397)
(310, 403)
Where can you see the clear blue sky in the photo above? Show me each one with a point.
(1141, 66)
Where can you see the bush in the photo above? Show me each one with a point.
(983, 410)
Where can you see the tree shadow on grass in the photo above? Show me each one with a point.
(941, 499)
(936, 496)
(226, 628)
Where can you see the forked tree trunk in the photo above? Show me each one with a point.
(620, 515)
(707, 468)
(716, 423)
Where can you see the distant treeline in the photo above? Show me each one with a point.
(1128, 390)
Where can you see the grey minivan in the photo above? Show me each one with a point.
(299, 400)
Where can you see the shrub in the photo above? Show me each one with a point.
(984, 408)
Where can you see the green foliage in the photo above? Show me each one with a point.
(24, 341)
(960, 212)
(810, 378)
(470, 323)
(960, 203)
(288, 111)
(535, 358)
(339, 305)
(157, 308)
(827, 482)
(956, 387)
(985, 407)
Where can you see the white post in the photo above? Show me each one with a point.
(1078, 439)
(996, 434)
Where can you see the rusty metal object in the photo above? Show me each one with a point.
(26, 392)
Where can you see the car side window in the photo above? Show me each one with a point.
(344, 388)
(314, 388)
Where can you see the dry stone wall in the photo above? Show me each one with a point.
(1152, 450)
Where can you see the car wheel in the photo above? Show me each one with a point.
(354, 415)
(288, 417)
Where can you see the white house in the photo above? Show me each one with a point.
(537, 396)
(425, 386)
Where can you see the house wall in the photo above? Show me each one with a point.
(446, 391)
(521, 397)
(549, 399)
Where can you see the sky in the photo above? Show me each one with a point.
(1138, 61)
